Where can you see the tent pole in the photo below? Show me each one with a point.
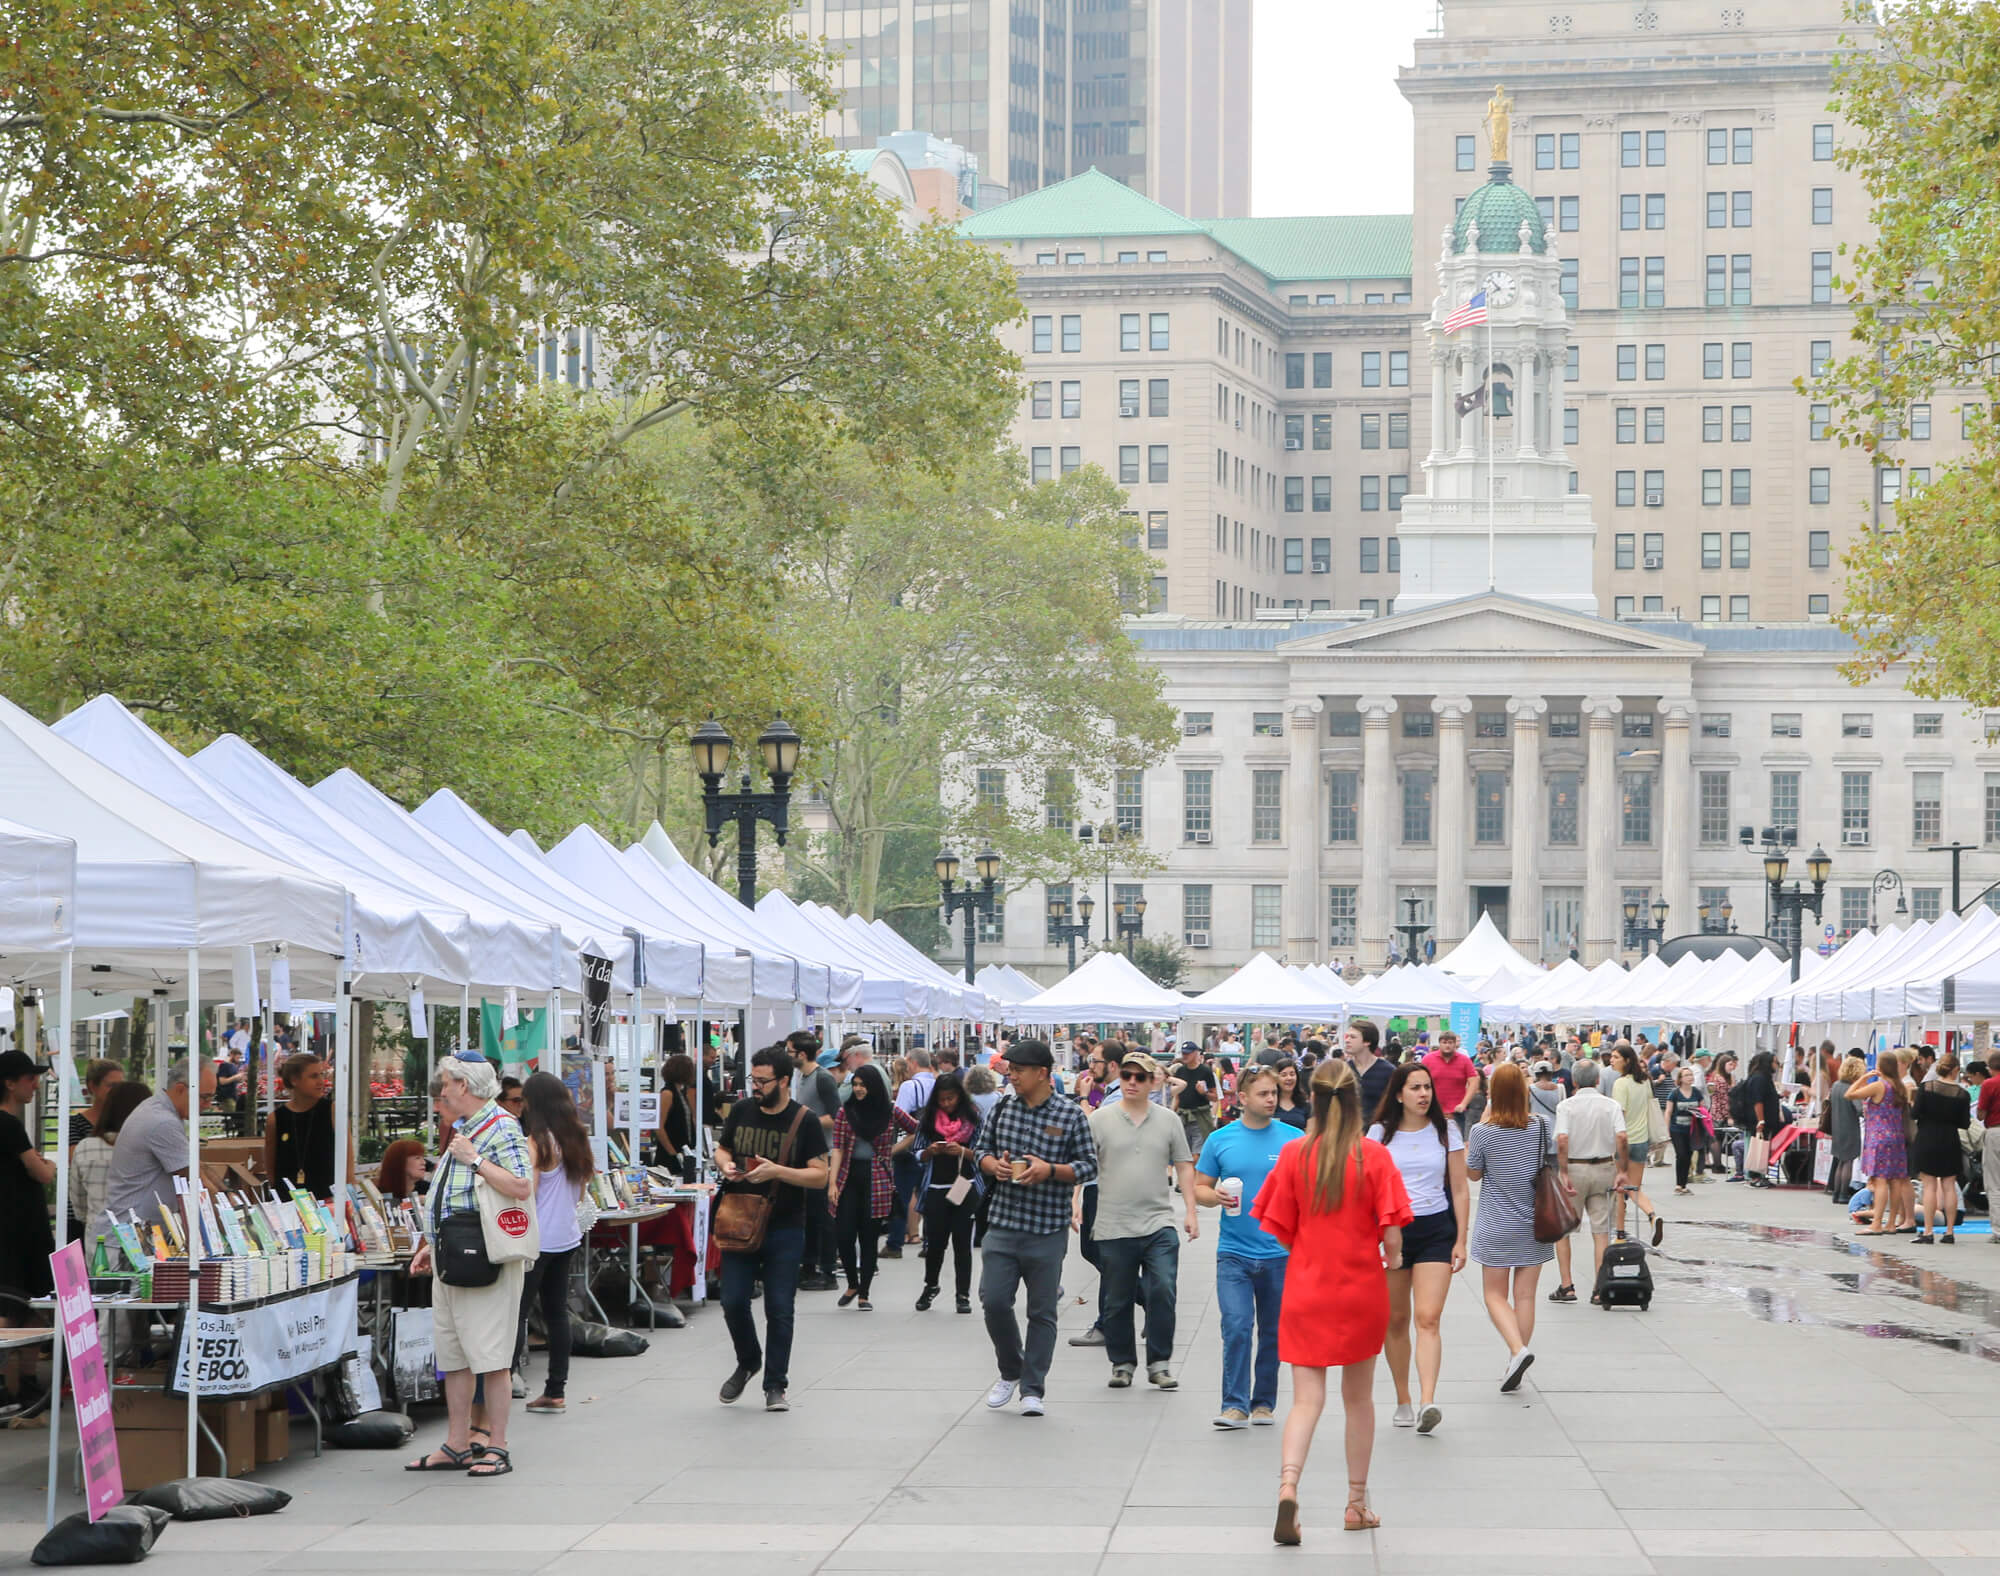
(65, 1070)
(190, 1339)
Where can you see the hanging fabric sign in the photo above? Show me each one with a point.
(596, 1002)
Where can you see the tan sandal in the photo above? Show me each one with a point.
(1358, 1517)
(545, 1403)
(1286, 1531)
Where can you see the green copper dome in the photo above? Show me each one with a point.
(1498, 208)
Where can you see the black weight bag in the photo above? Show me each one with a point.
(372, 1431)
(1625, 1279)
(121, 1536)
(212, 1498)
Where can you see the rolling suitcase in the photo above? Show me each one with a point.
(1625, 1279)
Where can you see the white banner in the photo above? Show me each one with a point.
(253, 1349)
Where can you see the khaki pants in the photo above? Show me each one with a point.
(1593, 1181)
(1989, 1160)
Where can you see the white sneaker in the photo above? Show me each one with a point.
(1229, 1417)
(1031, 1406)
(1515, 1369)
(1429, 1418)
(1405, 1416)
(1001, 1393)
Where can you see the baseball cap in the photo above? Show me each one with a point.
(1028, 1053)
(1138, 1058)
(16, 1064)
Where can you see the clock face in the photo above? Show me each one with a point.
(1499, 287)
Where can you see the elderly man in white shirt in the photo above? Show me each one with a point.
(1590, 1158)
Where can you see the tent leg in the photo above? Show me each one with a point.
(65, 1070)
(193, 1324)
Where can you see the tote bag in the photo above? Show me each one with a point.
(509, 1225)
(1555, 1206)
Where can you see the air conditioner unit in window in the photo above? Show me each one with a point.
(1239, 423)
(1128, 410)
(1655, 500)
(1322, 567)
(1295, 443)
(1200, 837)
(1656, 561)
(1197, 938)
(1855, 837)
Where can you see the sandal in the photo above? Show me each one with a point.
(1563, 1294)
(495, 1463)
(545, 1403)
(454, 1460)
(1358, 1517)
(481, 1437)
(1286, 1531)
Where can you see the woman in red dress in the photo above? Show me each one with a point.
(1337, 1201)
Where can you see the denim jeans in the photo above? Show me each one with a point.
(777, 1265)
(1247, 1295)
(1088, 1246)
(1014, 1257)
(1132, 1268)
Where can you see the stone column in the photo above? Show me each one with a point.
(1524, 895)
(1528, 402)
(1601, 915)
(1448, 831)
(1675, 786)
(1378, 831)
(1305, 833)
(1440, 399)
(1468, 380)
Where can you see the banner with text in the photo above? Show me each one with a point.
(248, 1350)
(90, 1386)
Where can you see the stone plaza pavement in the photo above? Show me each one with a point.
(1792, 1400)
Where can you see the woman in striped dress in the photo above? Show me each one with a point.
(1503, 1153)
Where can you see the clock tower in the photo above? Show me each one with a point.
(1497, 512)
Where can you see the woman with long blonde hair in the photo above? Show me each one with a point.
(1503, 1154)
(1337, 1202)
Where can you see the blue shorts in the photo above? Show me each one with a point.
(1429, 1239)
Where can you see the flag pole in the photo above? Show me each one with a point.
(1491, 387)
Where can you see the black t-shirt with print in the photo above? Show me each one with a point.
(751, 1130)
(1200, 1081)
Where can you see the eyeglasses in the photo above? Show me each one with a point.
(1134, 1075)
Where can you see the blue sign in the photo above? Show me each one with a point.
(1465, 1021)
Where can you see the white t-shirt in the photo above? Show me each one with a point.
(1422, 1160)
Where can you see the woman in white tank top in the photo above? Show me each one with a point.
(561, 1150)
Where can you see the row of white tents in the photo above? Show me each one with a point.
(1948, 967)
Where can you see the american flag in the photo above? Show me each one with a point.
(1473, 312)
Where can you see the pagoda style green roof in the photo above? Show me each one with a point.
(1500, 208)
(1371, 246)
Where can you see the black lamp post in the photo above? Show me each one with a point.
(1793, 899)
(1412, 929)
(1105, 838)
(779, 746)
(1716, 920)
(972, 901)
(1644, 936)
(1062, 928)
(1131, 923)
(1886, 881)
(1957, 851)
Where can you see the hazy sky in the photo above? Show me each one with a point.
(1330, 133)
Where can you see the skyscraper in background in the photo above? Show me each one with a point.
(1155, 93)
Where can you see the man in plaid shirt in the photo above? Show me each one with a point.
(1034, 1147)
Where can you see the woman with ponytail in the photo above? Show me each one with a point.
(1337, 1201)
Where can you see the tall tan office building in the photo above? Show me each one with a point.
(1155, 93)
(1681, 156)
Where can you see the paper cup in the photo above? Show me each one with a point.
(1020, 1168)
(1231, 1189)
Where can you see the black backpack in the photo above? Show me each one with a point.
(1742, 1110)
(1625, 1277)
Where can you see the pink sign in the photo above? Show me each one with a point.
(90, 1385)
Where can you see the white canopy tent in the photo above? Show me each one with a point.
(37, 892)
(1105, 988)
(1411, 990)
(1265, 991)
(1525, 1004)
(968, 1002)
(1484, 953)
(886, 991)
(1965, 959)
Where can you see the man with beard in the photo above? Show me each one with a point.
(772, 1145)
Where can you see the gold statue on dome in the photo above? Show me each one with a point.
(1499, 115)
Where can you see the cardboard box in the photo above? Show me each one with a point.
(149, 1418)
(150, 1455)
(274, 1436)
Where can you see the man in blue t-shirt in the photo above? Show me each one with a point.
(1249, 1261)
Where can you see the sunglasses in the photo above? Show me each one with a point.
(1134, 1075)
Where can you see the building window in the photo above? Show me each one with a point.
(1323, 432)
(1819, 489)
(1197, 910)
(1636, 725)
(1787, 725)
(1322, 369)
(1628, 281)
(1563, 819)
(1399, 429)
(1739, 487)
(1739, 549)
(1371, 432)
(1739, 610)
(1156, 530)
(1818, 417)
(1371, 369)
(1041, 464)
(989, 794)
(1572, 143)
(1197, 724)
(1625, 425)
(1570, 428)
(1128, 464)
(1128, 330)
(1418, 724)
(1322, 495)
(1628, 363)
(1041, 402)
(1926, 903)
(1624, 549)
(1822, 205)
(1714, 808)
(1295, 546)
(1157, 391)
(1711, 610)
(1041, 332)
(1129, 803)
(1718, 211)
(1716, 280)
(1656, 363)
(1711, 424)
(1343, 806)
(1821, 356)
(1628, 211)
(1545, 150)
(1628, 149)
(1371, 492)
(1565, 724)
(1889, 482)
(1711, 543)
(1267, 724)
(1656, 210)
(1267, 807)
(1072, 400)
(1340, 916)
(1567, 283)
(1656, 495)
(1622, 607)
(1822, 135)
(1295, 498)
(1625, 489)
(1267, 908)
(1417, 792)
(1656, 282)
(1072, 334)
(1468, 152)
(1156, 462)
(1197, 806)
(1822, 278)
(1854, 817)
(1059, 799)
(1489, 725)
(1818, 605)
(1857, 725)
(1159, 334)
(1739, 145)
(1399, 487)
(1991, 833)
(1295, 369)
(1656, 424)
(1399, 369)
(1739, 279)
(1853, 909)
(1572, 364)
(1785, 801)
(1711, 359)
(1920, 423)
(1636, 809)
(1489, 807)
(1926, 807)
(1371, 555)
(1343, 724)
(1567, 213)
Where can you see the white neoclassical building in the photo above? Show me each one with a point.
(1492, 745)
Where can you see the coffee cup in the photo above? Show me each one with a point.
(1020, 1164)
(1231, 1189)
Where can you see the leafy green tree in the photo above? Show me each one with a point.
(1920, 87)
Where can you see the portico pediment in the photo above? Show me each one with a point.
(1497, 625)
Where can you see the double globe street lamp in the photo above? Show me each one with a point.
(1062, 929)
(779, 746)
(974, 902)
(1131, 923)
(1644, 936)
(1791, 900)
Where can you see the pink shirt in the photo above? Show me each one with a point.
(1449, 1078)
